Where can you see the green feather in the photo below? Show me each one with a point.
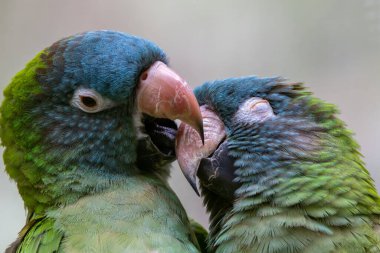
(201, 235)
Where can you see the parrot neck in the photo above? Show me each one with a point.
(67, 176)
(141, 214)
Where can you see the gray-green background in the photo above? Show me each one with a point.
(331, 45)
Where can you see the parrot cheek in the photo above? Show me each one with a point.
(189, 148)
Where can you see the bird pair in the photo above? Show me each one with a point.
(89, 135)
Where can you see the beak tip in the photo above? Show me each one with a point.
(193, 183)
(194, 186)
(197, 192)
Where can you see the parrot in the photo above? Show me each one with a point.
(279, 171)
(79, 124)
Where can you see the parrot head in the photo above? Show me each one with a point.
(227, 106)
(72, 119)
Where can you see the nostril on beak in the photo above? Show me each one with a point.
(144, 76)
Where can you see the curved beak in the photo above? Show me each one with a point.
(162, 93)
(189, 148)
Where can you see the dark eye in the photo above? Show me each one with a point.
(90, 101)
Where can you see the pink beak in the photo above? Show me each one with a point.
(189, 148)
(162, 93)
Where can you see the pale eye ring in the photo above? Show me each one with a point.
(90, 101)
(253, 110)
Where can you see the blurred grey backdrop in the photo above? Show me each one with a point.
(331, 45)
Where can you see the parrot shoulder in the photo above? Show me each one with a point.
(38, 235)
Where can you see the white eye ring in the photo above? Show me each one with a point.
(90, 101)
(254, 110)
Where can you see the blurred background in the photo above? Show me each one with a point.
(331, 45)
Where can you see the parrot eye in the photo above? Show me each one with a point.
(254, 110)
(90, 101)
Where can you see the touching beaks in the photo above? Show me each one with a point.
(162, 93)
(190, 150)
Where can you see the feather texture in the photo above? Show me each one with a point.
(303, 185)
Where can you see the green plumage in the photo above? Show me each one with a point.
(23, 152)
(40, 236)
(109, 222)
(201, 235)
(303, 185)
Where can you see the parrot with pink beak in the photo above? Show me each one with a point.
(278, 171)
(88, 133)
